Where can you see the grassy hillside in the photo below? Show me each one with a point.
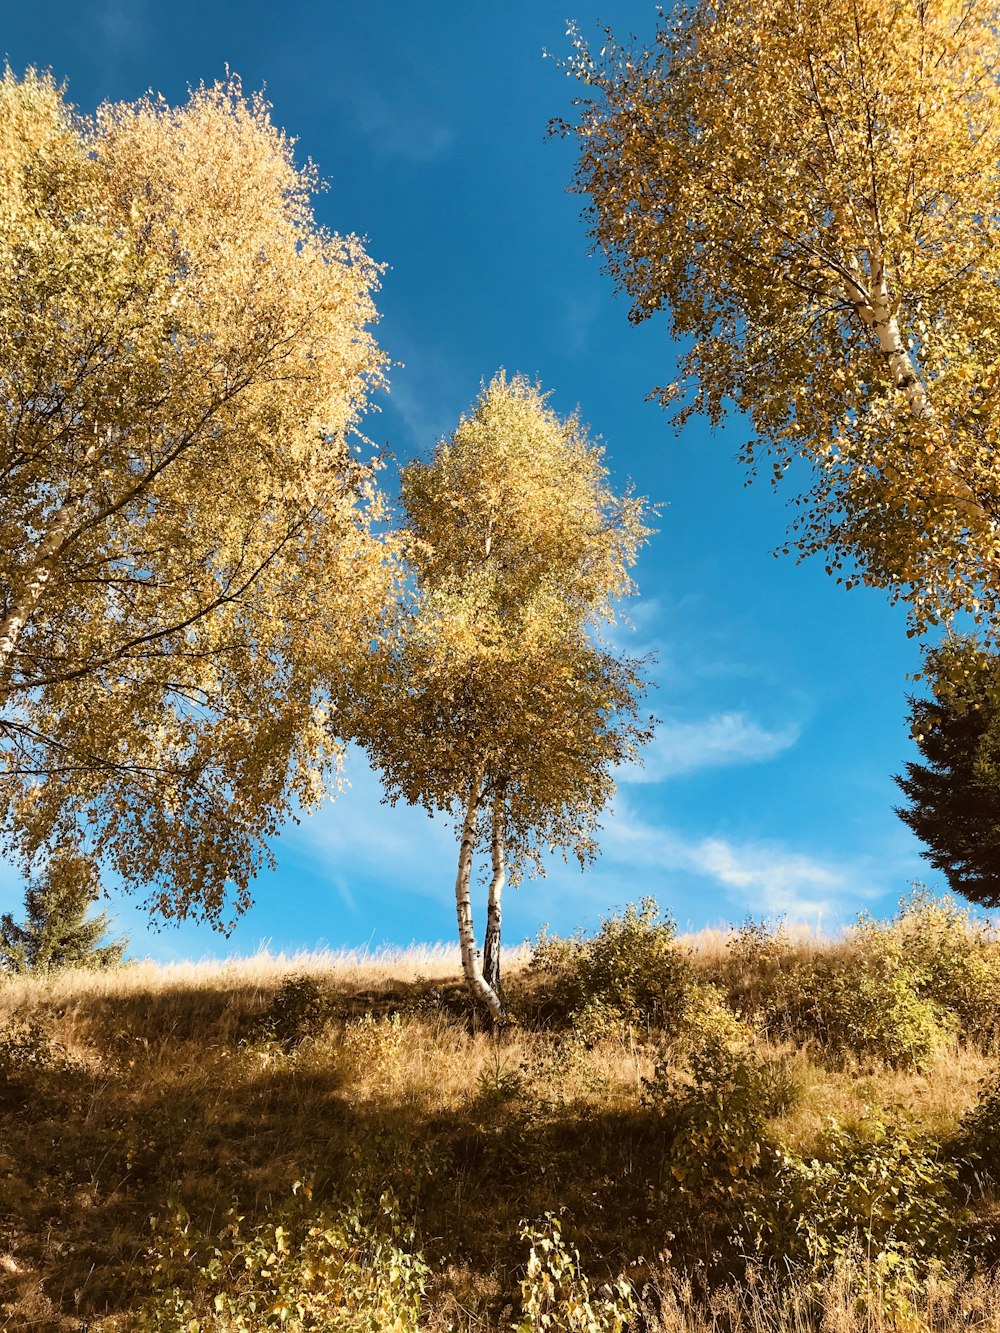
(745, 1131)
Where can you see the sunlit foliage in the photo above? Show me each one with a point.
(811, 189)
(493, 701)
(184, 539)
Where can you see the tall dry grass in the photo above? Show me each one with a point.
(121, 1090)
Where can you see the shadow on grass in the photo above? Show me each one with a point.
(89, 1152)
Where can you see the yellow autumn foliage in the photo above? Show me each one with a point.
(187, 570)
(811, 189)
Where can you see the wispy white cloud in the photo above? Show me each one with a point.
(578, 320)
(122, 27)
(358, 832)
(779, 882)
(761, 876)
(718, 741)
(424, 414)
(411, 132)
(117, 20)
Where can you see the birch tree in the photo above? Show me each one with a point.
(185, 540)
(810, 188)
(492, 700)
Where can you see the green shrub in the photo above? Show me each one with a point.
(631, 972)
(716, 1095)
(978, 1140)
(306, 1268)
(879, 1193)
(955, 960)
(299, 1009)
(894, 992)
(868, 1005)
(555, 1293)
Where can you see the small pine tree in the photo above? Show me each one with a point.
(955, 796)
(57, 932)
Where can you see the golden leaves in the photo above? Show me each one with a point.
(819, 211)
(183, 355)
(518, 547)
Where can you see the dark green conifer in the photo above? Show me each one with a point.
(58, 932)
(955, 795)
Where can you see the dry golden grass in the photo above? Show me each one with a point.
(764, 1304)
(358, 969)
(154, 1081)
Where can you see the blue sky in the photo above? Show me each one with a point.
(768, 788)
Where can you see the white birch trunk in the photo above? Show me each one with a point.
(39, 571)
(874, 310)
(471, 965)
(491, 942)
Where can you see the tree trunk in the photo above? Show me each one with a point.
(38, 572)
(875, 313)
(471, 966)
(491, 943)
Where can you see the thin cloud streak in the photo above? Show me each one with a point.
(411, 133)
(763, 877)
(719, 741)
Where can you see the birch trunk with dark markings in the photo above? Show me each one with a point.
(471, 964)
(491, 942)
(38, 573)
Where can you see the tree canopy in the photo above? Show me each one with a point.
(811, 188)
(186, 564)
(954, 796)
(492, 700)
(57, 931)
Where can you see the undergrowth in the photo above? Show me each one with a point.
(784, 1133)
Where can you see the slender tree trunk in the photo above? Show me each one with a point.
(491, 943)
(471, 965)
(38, 572)
(875, 311)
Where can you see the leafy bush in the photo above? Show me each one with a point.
(879, 1192)
(353, 1271)
(632, 971)
(895, 992)
(373, 1046)
(716, 1095)
(868, 1005)
(299, 1009)
(954, 957)
(30, 1056)
(979, 1133)
(555, 1293)
(26, 1044)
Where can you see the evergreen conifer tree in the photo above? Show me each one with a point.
(955, 796)
(57, 932)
